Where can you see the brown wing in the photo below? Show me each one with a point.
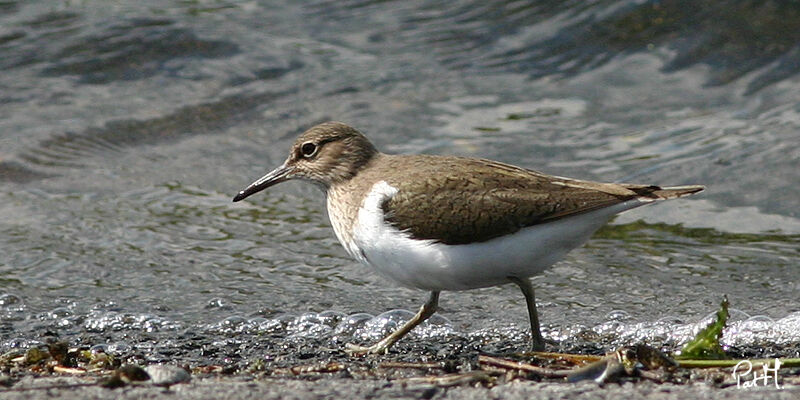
(460, 200)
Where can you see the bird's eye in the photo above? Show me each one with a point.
(308, 149)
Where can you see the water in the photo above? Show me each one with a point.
(125, 131)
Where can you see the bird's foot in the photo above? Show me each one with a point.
(356, 350)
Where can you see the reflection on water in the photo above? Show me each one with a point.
(125, 130)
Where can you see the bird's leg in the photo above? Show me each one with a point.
(424, 313)
(537, 342)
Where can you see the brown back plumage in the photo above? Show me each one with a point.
(457, 200)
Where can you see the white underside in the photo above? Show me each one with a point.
(428, 265)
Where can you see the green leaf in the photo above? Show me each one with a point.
(705, 345)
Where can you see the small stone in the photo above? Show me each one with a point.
(167, 374)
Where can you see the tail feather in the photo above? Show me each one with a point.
(664, 193)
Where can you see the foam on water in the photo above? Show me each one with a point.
(331, 325)
(617, 330)
(125, 334)
(99, 321)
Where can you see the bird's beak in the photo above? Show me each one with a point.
(274, 177)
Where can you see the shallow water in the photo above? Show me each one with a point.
(125, 131)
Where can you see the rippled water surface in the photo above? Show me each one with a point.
(125, 131)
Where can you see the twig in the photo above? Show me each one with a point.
(412, 365)
(306, 369)
(68, 370)
(575, 358)
(544, 372)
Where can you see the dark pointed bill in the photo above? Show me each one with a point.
(274, 177)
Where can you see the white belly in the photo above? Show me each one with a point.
(425, 264)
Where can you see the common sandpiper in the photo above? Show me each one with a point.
(450, 223)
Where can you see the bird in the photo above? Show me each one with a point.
(449, 223)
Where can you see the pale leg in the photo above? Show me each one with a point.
(537, 342)
(424, 313)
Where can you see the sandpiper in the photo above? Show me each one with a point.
(450, 223)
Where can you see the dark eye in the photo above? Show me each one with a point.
(308, 149)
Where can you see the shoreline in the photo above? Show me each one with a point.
(253, 387)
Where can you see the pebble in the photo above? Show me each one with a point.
(167, 374)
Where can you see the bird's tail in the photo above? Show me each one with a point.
(665, 193)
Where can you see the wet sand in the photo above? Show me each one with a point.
(249, 387)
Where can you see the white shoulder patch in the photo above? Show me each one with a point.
(371, 221)
(370, 225)
(379, 193)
